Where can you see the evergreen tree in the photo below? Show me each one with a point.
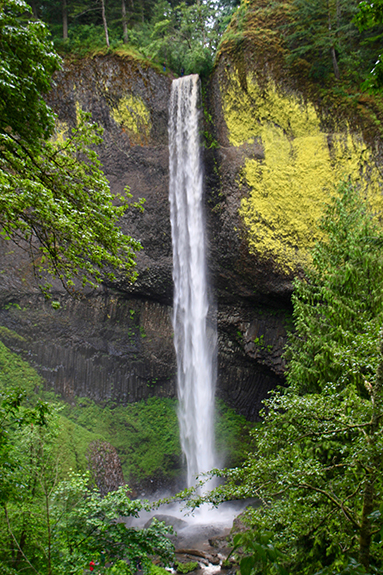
(322, 32)
(316, 465)
(324, 36)
(338, 306)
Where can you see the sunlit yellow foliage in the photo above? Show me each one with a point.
(134, 118)
(301, 169)
(62, 128)
(61, 131)
(78, 113)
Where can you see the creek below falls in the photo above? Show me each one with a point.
(201, 536)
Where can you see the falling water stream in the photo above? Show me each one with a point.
(194, 335)
(194, 344)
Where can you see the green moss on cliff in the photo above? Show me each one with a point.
(145, 434)
(72, 440)
(14, 372)
(231, 435)
(133, 117)
(301, 169)
(10, 334)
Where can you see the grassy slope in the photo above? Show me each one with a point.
(145, 434)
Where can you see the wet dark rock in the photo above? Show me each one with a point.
(219, 543)
(197, 536)
(116, 343)
(239, 526)
(105, 347)
(105, 466)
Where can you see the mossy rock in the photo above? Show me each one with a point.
(186, 567)
(296, 140)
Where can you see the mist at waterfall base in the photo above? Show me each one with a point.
(194, 338)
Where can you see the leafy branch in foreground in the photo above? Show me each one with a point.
(58, 205)
(258, 553)
(55, 200)
(53, 525)
(316, 470)
(370, 17)
(88, 525)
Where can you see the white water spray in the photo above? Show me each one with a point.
(194, 348)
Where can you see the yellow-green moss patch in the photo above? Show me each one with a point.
(134, 118)
(301, 169)
(10, 334)
(61, 132)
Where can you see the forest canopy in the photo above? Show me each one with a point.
(177, 35)
(336, 40)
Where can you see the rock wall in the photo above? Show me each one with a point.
(284, 144)
(273, 163)
(106, 347)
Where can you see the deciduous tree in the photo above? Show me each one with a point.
(54, 198)
(370, 17)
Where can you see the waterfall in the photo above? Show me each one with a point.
(194, 347)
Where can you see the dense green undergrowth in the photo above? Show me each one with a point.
(145, 434)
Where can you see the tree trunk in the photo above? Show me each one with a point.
(365, 528)
(34, 9)
(65, 19)
(374, 466)
(19, 557)
(333, 53)
(104, 22)
(335, 63)
(124, 22)
(49, 532)
(338, 13)
(142, 8)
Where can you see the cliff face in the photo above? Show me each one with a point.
(277, 161)
(282, 147)
(116, 343)
(285, 145)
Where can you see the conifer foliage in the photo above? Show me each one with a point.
(338, 306)
(316, 465)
